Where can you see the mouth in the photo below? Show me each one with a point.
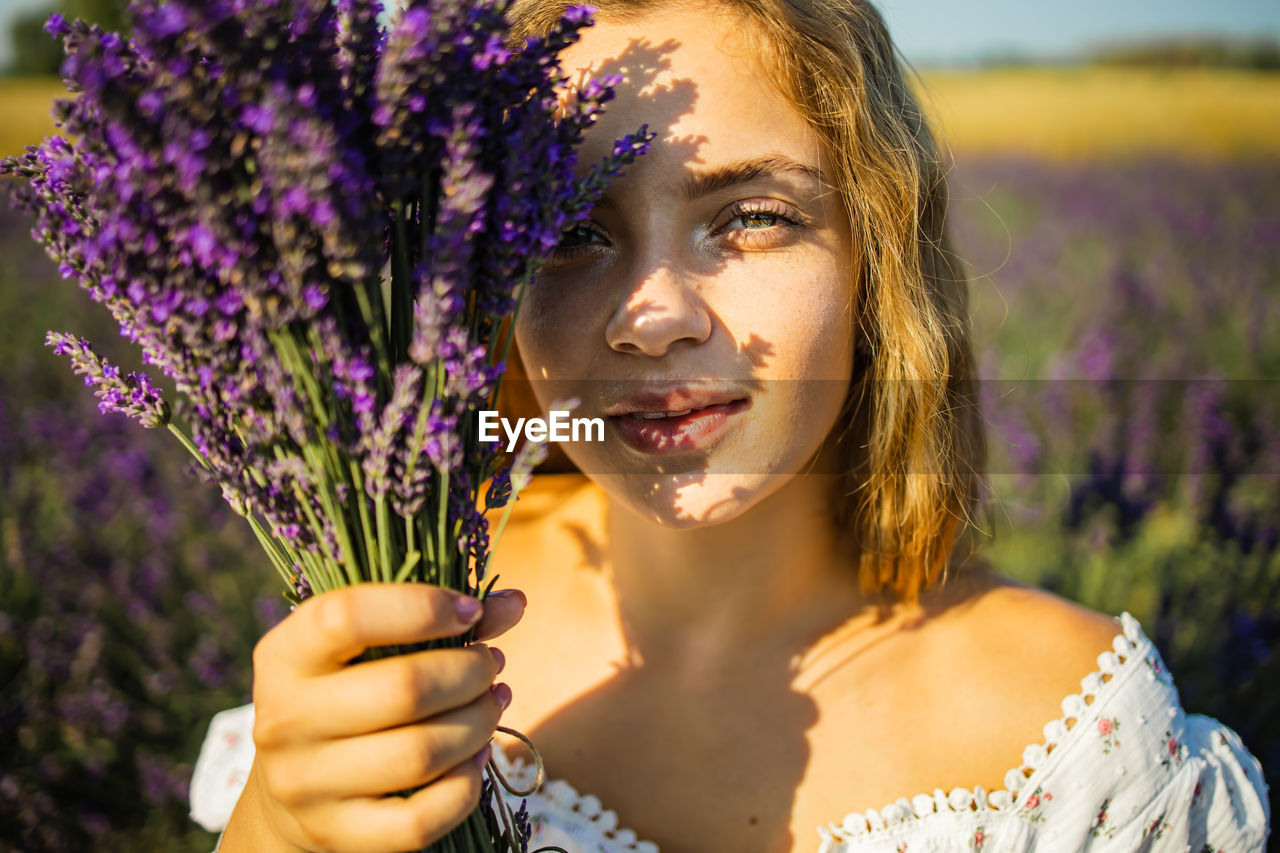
(678, 430)
(655, 416)
(673, 403)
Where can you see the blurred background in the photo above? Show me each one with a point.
(1116, 196)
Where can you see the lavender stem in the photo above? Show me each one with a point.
(186, 442)
(268, 545)
(365, 525)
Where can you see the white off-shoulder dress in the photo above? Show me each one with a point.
(1133, 772)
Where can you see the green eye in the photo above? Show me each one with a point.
(576, 236)
(755, 216)
(759, 218)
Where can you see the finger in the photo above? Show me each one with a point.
(381, 694)
(502, 610)
(388, 761)
(398, 824)
(328, 630)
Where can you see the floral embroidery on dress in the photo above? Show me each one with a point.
(1107, 728)
(1176, 751)
(1032, 805)
(942, 821)
(1161, 674)
(1156, 829)
(1100, 825)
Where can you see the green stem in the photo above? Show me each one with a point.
(365, 525)
(372, 312)
(443, 497)
(408, 536)
(321, 461)
(320, 572)
(187, 443)
(411, 561)
(328, 504)
(433, 556)
(384, 535)
(291, 360)
(269, 545)
(497, 535)
(429, 384)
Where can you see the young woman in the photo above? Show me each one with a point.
(750, 624)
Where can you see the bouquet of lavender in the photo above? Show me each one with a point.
(319, 227)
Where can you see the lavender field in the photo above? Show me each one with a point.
(1128, 327)
(130, 595)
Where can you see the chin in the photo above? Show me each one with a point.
(681, 501)
(691, 500)
(685, 492)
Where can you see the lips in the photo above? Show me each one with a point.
(672, 403)
(649, 416)
(680, 421)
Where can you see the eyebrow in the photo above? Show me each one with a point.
(741, 171)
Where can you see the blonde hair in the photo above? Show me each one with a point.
(911, 443)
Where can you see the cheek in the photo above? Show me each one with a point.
(551, 333)
(538, 323)
(798, 328)
(828, 346)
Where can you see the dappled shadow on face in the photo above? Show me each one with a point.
(757, 350)
(692, 764)
(652, 93)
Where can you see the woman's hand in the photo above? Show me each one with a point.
(332, 738)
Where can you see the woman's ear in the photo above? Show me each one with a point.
(516, 400)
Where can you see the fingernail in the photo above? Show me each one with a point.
(510, 593)
(483, 755)
(499, 658)
(468, 609)
(501, 692)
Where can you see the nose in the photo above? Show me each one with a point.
(659, 311)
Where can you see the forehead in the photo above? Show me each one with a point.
(692, 75)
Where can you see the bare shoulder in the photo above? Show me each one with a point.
(1048, 623)
(1012, 627)
(1004, 656)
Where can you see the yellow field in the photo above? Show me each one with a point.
(1053, 112)
(26, 106)
(1091, 112)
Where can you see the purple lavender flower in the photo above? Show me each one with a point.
(132, 395)
(314, 228)
(499, 491)
(389, 435)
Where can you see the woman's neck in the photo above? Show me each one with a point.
(707, 600)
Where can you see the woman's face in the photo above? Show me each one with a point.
(715, 275)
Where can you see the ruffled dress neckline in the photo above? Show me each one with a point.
(1130, 648)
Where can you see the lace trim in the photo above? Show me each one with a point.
(563, 795)
(1127, 651)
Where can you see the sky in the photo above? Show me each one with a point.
(943, 31)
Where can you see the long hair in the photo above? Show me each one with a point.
(910, 439)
